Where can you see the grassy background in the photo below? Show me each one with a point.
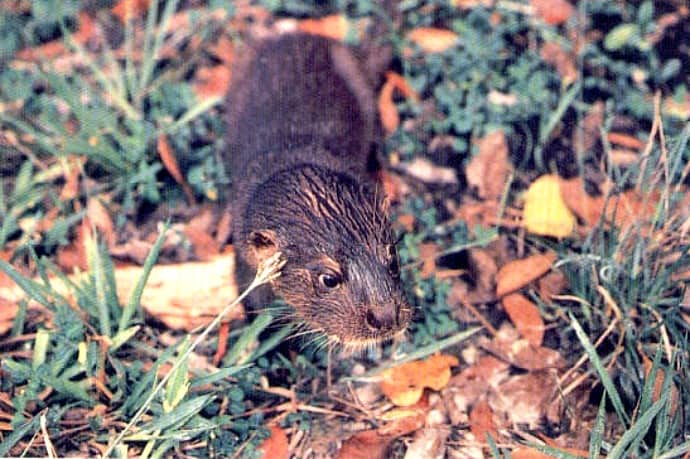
(110, 104)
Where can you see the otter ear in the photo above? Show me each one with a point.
(263, 244)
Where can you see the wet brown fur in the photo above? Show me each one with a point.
(302, 129)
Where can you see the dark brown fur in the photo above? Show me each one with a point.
(302, 129)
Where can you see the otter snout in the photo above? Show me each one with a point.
(382, 319)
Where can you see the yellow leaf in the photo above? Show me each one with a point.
(545, 211)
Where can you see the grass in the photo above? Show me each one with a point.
(621, 324)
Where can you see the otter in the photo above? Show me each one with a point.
(303, 139)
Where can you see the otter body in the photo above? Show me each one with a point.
(302, 128)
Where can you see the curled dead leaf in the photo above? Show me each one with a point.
(275, 446)
(553, 12)
(525, 316)
(404, 384)
(488, 170)
(518, 273)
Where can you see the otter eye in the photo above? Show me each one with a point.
(329, 280)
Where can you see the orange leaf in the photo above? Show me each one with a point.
(625, 140)
(387, 109)
(553, 12)
(518, 273)
(170, 162)
(335, 27)
(563, 61)
(427, 254)
(369, 444)
(525, 315)
(433, 40)
(390, 120)
(482, 422)
(129, 9)
(404, 384)
(275, 446)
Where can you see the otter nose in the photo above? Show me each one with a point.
(383, 318)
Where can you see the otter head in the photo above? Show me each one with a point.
(342, 274)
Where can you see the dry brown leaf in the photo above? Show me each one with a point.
(622, 210)
(488, 170)
(427, 254)
(55, 48)
(553, 283)
(516, 274)
(170, 162)
(275, 446)
(182, 296)
(388, 111)
(130, 9)
(553, 12)
(659, 382)
(210, 82)
(482, 422)
(625, 140)
(524, 399)
(563, 61)
(433, 40)
(335, 27)
(426, 171)
(525, 316)
(404, 384)
(522, 354)
(369, 444)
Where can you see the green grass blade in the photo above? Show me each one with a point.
(134, 301)
(597, 435)
(17, 435)
(179, 415)
(238, 353)
(637, 431)
(601, 371)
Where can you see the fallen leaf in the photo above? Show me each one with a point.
(659, 382)
(482, 422)
(433, 40)
(404, 384)
(427, 255)
(625, 140)
(517, 273)
(553, 12)
(428, 443)
(426, 171)
(488, 170)
(546, 213)
(525, 316)
(126, 10)
(553, 283)
(563, 61)
(388, 111)
(523, 399)
(520, 353)
(469, 4)
(335, 27)
(275, 446)
(369, 444)
(170, 162)
(55, 48)
(210, 82)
